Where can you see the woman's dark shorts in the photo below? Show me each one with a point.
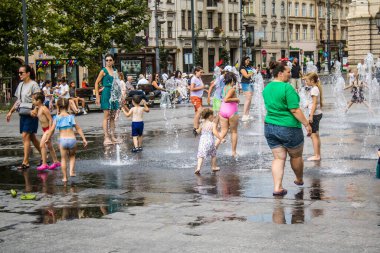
(280, 136)
(315, 124)
(28, 124)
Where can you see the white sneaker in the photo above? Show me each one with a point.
(244, 118)
(84, 112)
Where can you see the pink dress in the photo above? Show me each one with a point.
(207, 142)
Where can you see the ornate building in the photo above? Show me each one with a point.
(363, 35)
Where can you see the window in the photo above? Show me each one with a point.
(220, 20)
(334, 32)
(282, 34)
(236, 22)
(312, 33)
(297, 33)
(282, 9)
(304, 33)
(170, 29)
(263, 7)
(209, 20)
(249, 7)
(290, 9)
(320, 11)
(273, 8)
(211, 59)
(200, 20)
(189, 20)
(183, 20)
(264, 33)
(273, 34)
(296, 6)
(303, 10)
(311, 11)
(230, 22)
(290, 33)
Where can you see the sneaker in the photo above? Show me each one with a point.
(54, 166)
(134, 150)
(84, 112)
(139, 149)
(43, 167)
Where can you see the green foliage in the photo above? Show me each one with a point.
(164, 57)
(87, 29)
(225, 55)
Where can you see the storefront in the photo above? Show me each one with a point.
(58, 68)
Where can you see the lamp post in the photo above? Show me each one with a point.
(156, 3)
(241, 30)
(24, 27)
(193, 41)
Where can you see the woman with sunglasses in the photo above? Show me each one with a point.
(106, 77)
(28, 122)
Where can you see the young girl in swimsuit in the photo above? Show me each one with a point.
(46, 121)
(206, 143)
(65, 123)
(228, 114)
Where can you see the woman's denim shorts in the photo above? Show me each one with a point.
(247, 87)
(280, 136)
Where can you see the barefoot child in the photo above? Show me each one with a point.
(65, 123)
(137, 121)
(357, 93)
(46, 121)
(315, 112)
(207, 143)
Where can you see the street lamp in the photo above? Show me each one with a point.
(377, 19)
(24, 27)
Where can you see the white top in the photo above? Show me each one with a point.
(63, 89)
(352, 77)
(142, 81)
(361, 68)
(46, 91)
(314, 92)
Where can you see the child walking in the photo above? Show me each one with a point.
(315, 112)
(137, 121)
(65, 123)
(46, 121)
(207, 143)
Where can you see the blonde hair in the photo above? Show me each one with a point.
(315, 79)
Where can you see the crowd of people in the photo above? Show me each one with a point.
(212, 121)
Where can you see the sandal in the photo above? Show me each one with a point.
(28, 196)
(298, 183)
(283, 192)
(23, 167)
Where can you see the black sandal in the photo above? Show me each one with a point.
(23, 167)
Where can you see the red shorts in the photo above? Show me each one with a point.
(44, 129)
(196, 101)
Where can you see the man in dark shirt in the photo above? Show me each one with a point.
(295, 79)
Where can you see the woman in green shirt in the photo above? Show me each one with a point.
(283, 126)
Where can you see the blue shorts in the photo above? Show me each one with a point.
(280, 136)
(137, 128)
(247, 87)
(28, 124)
(67, 143)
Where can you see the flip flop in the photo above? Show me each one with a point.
(23, 167)
(283, 192)
(28, 196)
(298, 183)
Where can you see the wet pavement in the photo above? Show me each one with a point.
(152, 201)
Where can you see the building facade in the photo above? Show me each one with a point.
(363, 35)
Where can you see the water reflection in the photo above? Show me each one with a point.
(221, 184)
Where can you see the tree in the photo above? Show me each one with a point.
(87, 29)
(11, 30)
(164, 57)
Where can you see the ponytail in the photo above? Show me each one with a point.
(320, 93)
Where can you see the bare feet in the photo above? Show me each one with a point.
(214, 169)
(314, 158)
(197, 172)
(64, 180)
(73, 174)
(107, 141)
(115, 140)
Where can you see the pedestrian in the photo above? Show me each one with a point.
(28, 121)
(357, 93)
(73, 97)
(47, 90)
(46, 121)
(137, 121)
(106, 78)
(247, 73)
(228, 114)
(65, 123)
(296, 74)
(206, 147)
(196, 93)
(315, 112)
(282, 129)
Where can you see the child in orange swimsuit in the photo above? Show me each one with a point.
(46, 121)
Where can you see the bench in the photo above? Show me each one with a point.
(87, 94)
(147, 89)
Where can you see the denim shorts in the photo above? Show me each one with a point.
(247, 87)
(67, 143)
(28, 124)
(280, 136)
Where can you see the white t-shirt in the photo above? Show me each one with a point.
(46, 91)
(314, 92)
(63, 89)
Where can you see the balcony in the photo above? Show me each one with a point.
(212, 35)
(212, 5)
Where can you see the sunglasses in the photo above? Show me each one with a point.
(20, 73)
(109, 60)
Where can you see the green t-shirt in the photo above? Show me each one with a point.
(279, 98)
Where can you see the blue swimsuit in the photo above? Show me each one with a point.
(66, 122)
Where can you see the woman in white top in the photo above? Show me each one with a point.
(315, 113)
